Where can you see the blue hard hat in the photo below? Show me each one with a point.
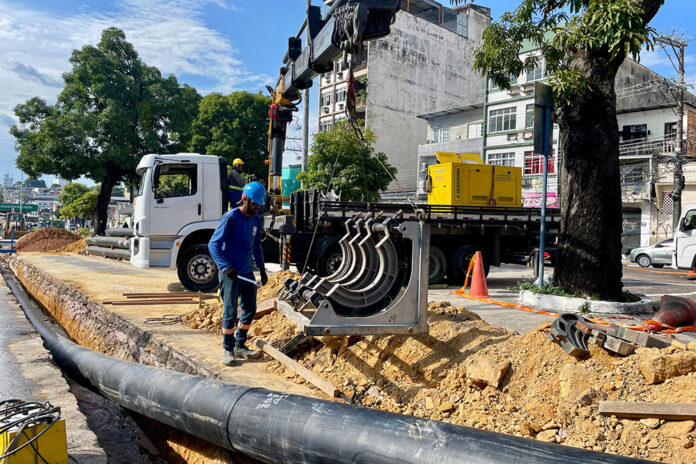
(256, 192)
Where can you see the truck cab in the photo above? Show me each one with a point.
(178, 205)
(684, 256)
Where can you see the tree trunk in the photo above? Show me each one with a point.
(589, 254)
(103, 199)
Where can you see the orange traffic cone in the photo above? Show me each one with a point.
(478, 279)
(691, 274)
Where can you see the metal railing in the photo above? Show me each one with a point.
(648, 147)
(11, 242)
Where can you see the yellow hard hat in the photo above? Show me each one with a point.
(237, 161)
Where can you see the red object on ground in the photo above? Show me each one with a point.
(676, 311)
(478, 279)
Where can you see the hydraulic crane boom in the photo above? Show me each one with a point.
(346, 27)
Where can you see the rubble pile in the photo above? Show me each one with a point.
(74, 247)
(46, 239)
(470, 373)
(210, 317)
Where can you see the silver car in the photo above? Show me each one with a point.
(656, 255)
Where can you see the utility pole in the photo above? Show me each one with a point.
(678, 47)
(305, 127)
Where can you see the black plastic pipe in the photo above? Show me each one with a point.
(280, 427)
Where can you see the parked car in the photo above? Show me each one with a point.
(656, 255)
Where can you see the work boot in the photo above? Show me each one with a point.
(243, 352)
(229, 359)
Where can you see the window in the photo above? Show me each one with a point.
(175, 180)
(442, 135)
(325, 126)
(492, 85)
(502, 120)
(326, 99)
(501, 159)
(670, 130)
(529, 117)
(341, 95)
(536, 73)
(635, 132)
(632, 174)
(513, 80)
(534, 162)
(475, 130)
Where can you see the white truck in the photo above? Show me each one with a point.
(178, 205)
(684, 248)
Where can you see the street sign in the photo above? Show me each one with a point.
(26, 207)
(543, 100)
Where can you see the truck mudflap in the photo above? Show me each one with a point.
(381, 286)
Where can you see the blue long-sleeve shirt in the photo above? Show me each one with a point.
(236, 238)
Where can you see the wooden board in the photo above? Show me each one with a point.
(640, 410)
(300, 370)
(264, 308)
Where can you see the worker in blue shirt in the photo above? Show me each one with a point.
(236, 239)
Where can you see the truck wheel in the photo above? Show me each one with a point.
(330, 261)
(460, 263)
(643, 260)
(438, 265)
(197, 270)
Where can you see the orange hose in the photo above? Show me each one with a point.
(647, 326)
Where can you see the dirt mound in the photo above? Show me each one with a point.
(545, 393)
(74, 247)
(210, 317)
(46, 239)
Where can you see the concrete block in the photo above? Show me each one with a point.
(618, 346)
(638, 337)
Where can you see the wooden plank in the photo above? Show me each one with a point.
(300, 370)
(640, 410)
(264, 308)
(168, 294)
(150, 302)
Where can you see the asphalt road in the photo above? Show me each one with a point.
(657, 282)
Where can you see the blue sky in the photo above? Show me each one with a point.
(213, 45)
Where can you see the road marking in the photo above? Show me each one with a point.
(655, 272)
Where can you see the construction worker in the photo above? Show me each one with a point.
(236, 182)
(236, 239)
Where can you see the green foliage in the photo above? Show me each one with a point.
(630, 297)
(549, 288)
(358, 173)
(234, 126)
(112, 110)
(563, 30)
(172, 185)
(71, 192)
(82, 207)
(584, 307)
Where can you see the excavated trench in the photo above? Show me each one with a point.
(126, 436)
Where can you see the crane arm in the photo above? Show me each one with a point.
(346, 27)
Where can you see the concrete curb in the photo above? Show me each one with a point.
(564, 304)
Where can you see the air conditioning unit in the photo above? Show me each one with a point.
(514, 90)
(528, 135)
(325, 109)
(511, 137)
(339, 75)
(327, 79)
(340, 106)
(528, 87)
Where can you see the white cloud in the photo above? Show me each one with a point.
(35, 47)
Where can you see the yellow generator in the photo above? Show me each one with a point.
(461, 179)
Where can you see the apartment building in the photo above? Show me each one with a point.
(424, 64)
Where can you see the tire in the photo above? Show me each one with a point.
(438, 265)
(643, 260)
(658, 266)
(460, 263)
(330, 260)
(197, 270)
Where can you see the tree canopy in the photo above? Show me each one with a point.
(77, 201)
(234, 126)
(581, 44)
(338, 160)
(112, 110)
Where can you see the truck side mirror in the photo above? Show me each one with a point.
(684, 224)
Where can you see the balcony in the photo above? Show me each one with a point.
(647, 147)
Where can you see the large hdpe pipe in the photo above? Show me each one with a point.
(280, 427)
